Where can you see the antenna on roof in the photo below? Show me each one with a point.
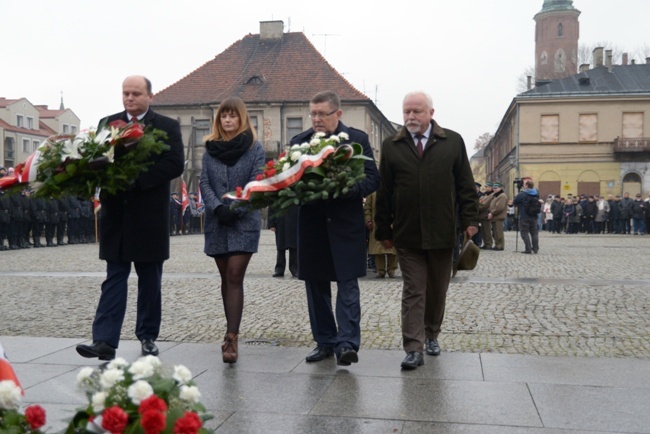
(325, 35)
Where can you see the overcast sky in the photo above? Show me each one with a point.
(468, 54)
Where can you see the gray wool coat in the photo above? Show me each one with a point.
(218, 179)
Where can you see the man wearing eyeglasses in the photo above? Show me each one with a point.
(332, 245)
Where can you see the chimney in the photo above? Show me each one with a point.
(271, 30)
(633, 62)
(529, 84)
(608, 60)
(598, 57)
(647, 60)
(624, 60)
(584, 67)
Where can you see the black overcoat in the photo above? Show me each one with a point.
(332, 233)
(134, 226)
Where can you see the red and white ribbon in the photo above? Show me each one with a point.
(284, 179)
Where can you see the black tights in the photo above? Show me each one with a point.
(232, 269)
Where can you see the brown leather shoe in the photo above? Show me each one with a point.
(229, 348)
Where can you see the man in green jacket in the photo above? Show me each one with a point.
(426, 187)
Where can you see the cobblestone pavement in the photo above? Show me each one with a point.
(582, 295)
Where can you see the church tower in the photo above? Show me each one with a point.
(556, 40)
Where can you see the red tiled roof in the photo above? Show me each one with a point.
(46, 113)
(43, 131)
(4, 102)
(289, 69)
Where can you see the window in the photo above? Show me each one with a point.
(560, 61)
(73, 129)
(66, 128)
(560, 31)
(632, 125)
(30, 122)
(294, 127)
(20, 121)
(9, 152)
(26, 147)
(544, 59)
(550, 129)
(588, 128)
(36, 144)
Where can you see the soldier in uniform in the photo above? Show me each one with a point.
(52, 221)
(5, 219)
(61, 226)
(74, 213)
(38, 209)
(16, 222)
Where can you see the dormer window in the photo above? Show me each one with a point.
(256, 80)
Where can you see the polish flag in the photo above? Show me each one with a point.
(185, 200)
(6, 371)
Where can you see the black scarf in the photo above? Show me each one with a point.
(230, 151)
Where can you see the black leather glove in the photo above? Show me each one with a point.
(225, 215)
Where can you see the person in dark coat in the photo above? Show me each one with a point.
(52, 206)
(175, 207)
(74, 217)
(426, 187)
(38, 209)
(625, 213)
(134, 228)
(285, 228)
(589, 212)
(232, 159)
(63, 221)
(5, 220)
(15, 225)
(332, 244)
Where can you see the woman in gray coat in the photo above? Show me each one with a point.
(233, 158)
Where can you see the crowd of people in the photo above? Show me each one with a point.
(29, 222)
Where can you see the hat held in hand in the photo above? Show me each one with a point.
(468, 256)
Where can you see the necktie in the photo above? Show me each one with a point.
(419, 146)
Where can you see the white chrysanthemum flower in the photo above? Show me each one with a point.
(286, 167)
(319, 135)
(10, 395)
(141, 369)
(119, 362)
(98, 401)
(336, 139)
(84, 380)
(153, 361)
(139, 391)
(343, 136)
(315, 141)
(294, 147)
(182, 375)
(111, 376)
(295, 155)
(190, 394)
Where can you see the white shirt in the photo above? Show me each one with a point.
(425, 137)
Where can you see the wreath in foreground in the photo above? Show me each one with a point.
(110, 158)
(321, 169)
(142, 397)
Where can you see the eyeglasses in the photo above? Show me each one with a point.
(321, 115)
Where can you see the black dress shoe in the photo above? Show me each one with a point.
(527, 252)
(319, 353)
(278, 274)
(149, 348)
(98, 349)
(412, 360)
(346, 357)
(432, 347)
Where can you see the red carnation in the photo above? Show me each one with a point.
(35, 415)
(119, 123)
(238, 191)
(188, 424)
(270, 172)
(153, 421)
(152, 403)
(270, 163)
(114, 419)
(259, 177)
(282, 154)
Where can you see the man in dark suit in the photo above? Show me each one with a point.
(332, 245)
(134, 228)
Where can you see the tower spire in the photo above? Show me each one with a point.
(61, 106)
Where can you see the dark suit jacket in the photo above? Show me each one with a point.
(332, 233)
(134, 226)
